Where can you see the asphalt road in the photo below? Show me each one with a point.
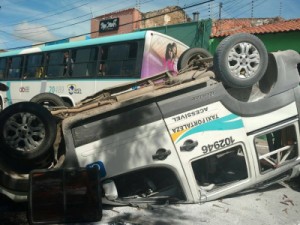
(278, 204)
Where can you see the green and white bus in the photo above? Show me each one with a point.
(64, 74)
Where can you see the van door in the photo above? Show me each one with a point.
(277, 150)
(136, 150)
(211, 143)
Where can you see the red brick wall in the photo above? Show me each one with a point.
(169, 15)
(126, 25)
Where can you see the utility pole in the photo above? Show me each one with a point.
(280, 9)
(138, 4)
(252, 7)
(220, 10)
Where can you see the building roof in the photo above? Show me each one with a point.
(222, 30)
(116, 12)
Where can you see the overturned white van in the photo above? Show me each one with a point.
(215, 129)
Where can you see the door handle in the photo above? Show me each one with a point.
(188, 145)
(161, 154)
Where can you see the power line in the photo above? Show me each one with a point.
(254, 6)
(186, 7)
(41, 33)
(47, 16)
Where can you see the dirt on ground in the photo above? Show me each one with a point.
(278, 204)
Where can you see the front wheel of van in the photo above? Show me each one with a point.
(27, 133)
(240, 60)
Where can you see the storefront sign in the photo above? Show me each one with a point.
(109, 25)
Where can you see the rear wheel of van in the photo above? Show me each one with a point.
(27, 133)
(240, 60)
(48, 100)
(191, 58)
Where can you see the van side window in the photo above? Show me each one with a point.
(220, 169)
(276, 148)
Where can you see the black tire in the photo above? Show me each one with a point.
(189, 58)
(48, 100)
(240, 60)
(27, 133)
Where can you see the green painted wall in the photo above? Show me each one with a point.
(273, 42)
(197, 34)
(193, 34)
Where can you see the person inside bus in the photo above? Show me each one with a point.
(103, 58)
(68, 64)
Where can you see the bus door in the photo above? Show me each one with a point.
(211, 143)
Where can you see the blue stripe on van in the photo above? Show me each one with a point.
(230, 122)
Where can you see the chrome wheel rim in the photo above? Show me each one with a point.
(243, 60)
(24, 132)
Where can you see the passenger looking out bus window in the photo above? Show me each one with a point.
(103, 58)
(68, 64)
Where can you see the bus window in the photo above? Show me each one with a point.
(85, 62)
(55, 64)
(34, 66)
(2, 67)
(15, 67)
(115, 56)
(129, 65)
(121, 59)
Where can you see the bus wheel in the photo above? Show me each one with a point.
(27, 133)
(240, 60)
(48, 100)
(190, 58)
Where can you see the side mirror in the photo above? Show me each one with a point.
(64, 196)
(3, 87)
